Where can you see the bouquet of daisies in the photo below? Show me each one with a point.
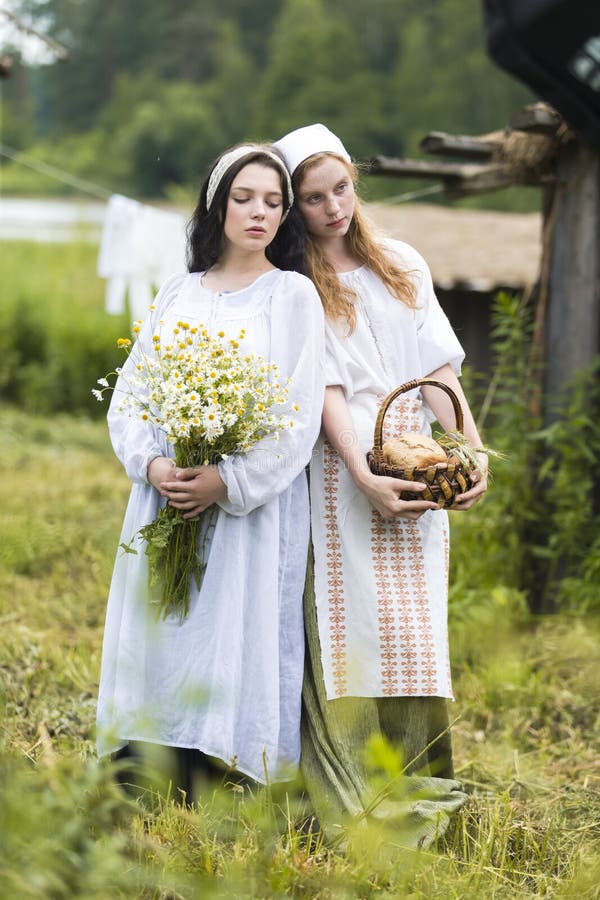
(211, 399)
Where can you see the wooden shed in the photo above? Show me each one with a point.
(472, 255)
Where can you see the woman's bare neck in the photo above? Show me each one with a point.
(340, 256)
(236, 271)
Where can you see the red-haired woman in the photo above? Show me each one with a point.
(376, 615)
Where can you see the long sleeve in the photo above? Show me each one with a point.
(437, 341)
(297, 346)
(135, 442)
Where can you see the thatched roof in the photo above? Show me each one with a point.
(477, 250)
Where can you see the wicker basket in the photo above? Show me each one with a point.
(444, 481)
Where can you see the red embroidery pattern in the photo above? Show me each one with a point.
(428, 673)
(446, 539)
(407, 636)
(335, 580)
(385, 605)
(405, 414)
(407, 647)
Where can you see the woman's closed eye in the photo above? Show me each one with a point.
(272, 204)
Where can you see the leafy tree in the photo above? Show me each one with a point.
(375, 26)
(380, 75)
(16, 109)
(232, 90)
(317, 71)
(443, 79)
(105, 38)
(171, 133)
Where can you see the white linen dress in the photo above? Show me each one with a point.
(227, 681)
(381, 585)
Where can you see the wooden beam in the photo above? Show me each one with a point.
(573, 313)
(459, 179)
(415, 168)
(462, 146)
(539, 118)
(478, 181)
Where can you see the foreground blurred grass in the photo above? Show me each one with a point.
(525, 741)
(527, 710)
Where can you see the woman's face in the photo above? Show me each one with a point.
(254, 208)
(326, 199)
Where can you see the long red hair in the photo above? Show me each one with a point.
(338, 298)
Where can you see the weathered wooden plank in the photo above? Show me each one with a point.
(573, 312)
(478, 181)
(415, 168)
(538, 118)
(463, 146)
(459, 179)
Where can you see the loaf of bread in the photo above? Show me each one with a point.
(413, 451)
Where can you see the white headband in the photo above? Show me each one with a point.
(298, 145)
(228, 159)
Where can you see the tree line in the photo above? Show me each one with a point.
(153, 90)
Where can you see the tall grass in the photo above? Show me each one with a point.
(527, 710)
(55, 338)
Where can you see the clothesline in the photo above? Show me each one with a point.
(411, 195)
(101, 193)
(38, 165)
(140, 245)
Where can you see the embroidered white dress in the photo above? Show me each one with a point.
(381, 585)
(227, 680)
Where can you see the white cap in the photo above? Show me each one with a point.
(298, 145)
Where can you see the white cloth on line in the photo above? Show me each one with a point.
(381, 585)
(227, 680)
(140, 247)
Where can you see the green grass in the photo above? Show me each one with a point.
(525, 740)
(55, 337)
(527, 710)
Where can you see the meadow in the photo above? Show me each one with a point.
(527, 687)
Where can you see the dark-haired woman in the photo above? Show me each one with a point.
(376, 615)
(223, 687)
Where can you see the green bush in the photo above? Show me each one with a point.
(537, 529)
(55, 338)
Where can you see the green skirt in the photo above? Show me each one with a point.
(374, 759)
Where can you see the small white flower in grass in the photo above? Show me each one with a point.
(103, 382)
(97, 394)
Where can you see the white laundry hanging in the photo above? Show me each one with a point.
(139, 248)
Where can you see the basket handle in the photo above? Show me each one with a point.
(410, 386)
